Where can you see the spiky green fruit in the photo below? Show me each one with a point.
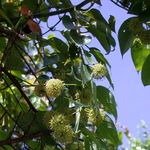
(99, 71)
(54, 87)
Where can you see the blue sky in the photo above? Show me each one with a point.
(132, 97)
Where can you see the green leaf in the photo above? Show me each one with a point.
(94, 94)
(49, 60)
(109, 79)
(3, 135)
(68, 23)
(146, 71)
(107, 99)
(34, 145)
(58, 45)
(73, 50)
(110, 39)
(139, 53)
(79, 38)
(48, 140)
(54, 2)
(100, 29)
(66, 3)
(86, 76)
(91, 137)
(125, 37)
(88, 57)
(99, 56)
(44, 9)
(42, 78)
(32, 5)
(101, 36)
(31, 122)
(2, 13)
(106, 129)
(13, 60)
(60, 103)
(98, 2)
(136, 7)
(77, 104)
(112, 22)
(2, 43)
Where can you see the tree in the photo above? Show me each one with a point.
(50, 98)
(141, 142)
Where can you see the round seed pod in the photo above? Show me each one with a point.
(54, 87)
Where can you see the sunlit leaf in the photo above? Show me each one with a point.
(88, 57)
(86, 76)
(146, 71)
(139, 54)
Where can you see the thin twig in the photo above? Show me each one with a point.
(17, 84)
(24, 138)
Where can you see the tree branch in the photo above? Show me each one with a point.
(24, 138)
(17, 84)
(11, 33)
(78, 7)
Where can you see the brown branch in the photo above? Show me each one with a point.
(77, 7)
(24, 138)
(17, 84)
(11, 33)
(40, 15)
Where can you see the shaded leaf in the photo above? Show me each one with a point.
(53, 59)
(2, 43)
(42, 78)
(68, 23)
(112, 22)
(79, 38)
(13, 60)
(58, 45)
(32, 5)
(91, 137)
(106, 129)
(2, 13)
(31, 122)
(125, 37)
(109, 79)
(99, 56)
(3, 135)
